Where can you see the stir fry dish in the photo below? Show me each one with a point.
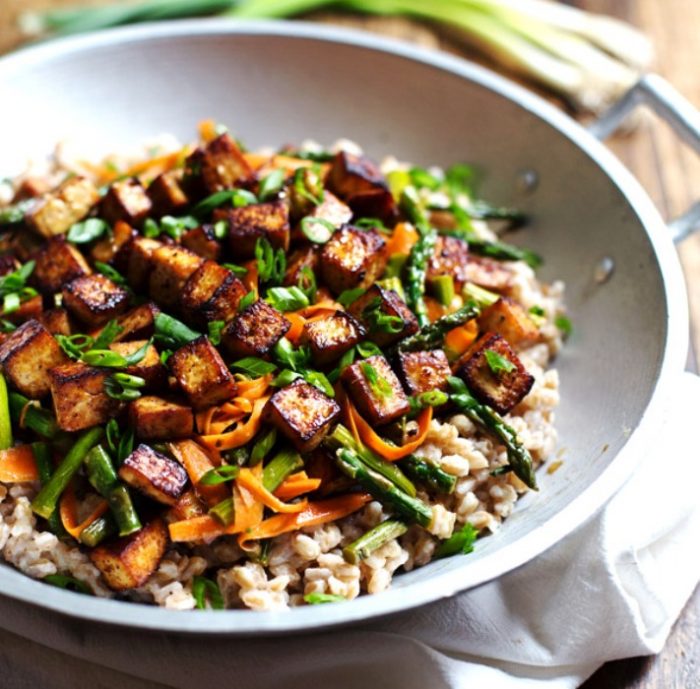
(262, 379)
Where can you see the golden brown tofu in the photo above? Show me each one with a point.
(351, 174)
(126, 200)
(384, 315)
(79, 397)
(221, 165)
(375, 390)
(211, 293)
(106, 249)
(509, 320)
(203, 242)
(28, 309)
(128, 562)
(202, 374)
(157, 476)
(352, 258)
(150, 368)
(450, 257)
(488, 273)
(187, 507)
(302, 413)
(257, 221)
(68, 204)
(26, 356)
(172, 265)
(331, 337)
(134, 261)
(333, 210)
(166, 194)
(137, 324)
(57, 263)
(378, 203)
(494, 373)
(255, 330)
(155, 418)
(298, 263)
(423, 371)
(95, 299)
(56, 321)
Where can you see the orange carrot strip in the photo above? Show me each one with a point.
(402, 239)
(204, 528)
(17, 464)
(295, 485)
(320, 512)
(68, 511)
(435, 309)
(207, 130)
(240, 435)
(298, 321)
(197, 463)
(256, 160)
(252, 389)
(459, 339)
(246, 479)
(204, 420)
(381, 446)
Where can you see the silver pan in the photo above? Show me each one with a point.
(275, 83)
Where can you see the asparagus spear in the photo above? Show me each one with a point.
(42, 457)
(279, 467)
(98, 531)
(342, 438)
(410, 508)
(5, 425)
(500, 250)
(428, 473)
(518, 456)
(431, 336)
(46, 499)
(375, 538)
(35, 418)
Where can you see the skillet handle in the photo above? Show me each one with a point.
(655, 92)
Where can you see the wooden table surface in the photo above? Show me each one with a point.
(669, 171)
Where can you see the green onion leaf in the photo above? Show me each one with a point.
(236, 197)
(175, 227)
(349, 295)
(107, 335)
(285, 377)
(307, 184)
(87, 230)
(380, 386)
(286, 355)
(247, 300)
(307, 283)
(114, 387)
(6, 326)
(317, 230)
(498, 364)
(224, 511)
(114, 275)
(367, 349)
(222, 474)
(221, 229)
(151, 229)
(238, 271)
(537, 311)
(370, 224)
(10, 303)
(287, 298)
(461, 541)
(318, 598)
(263, 446)
(346, 360)
(204, 589)
(272, 263)
(135, 357)
(422, 179)
(253, 366)
(431, 398)
(63, 581)
(74, 345)
(564, 325)
(271, 185)
(215, 328)
(380, 322)
(171, 332)
(104, 357)
(318, 380)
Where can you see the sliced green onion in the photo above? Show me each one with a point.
(107, 335)
(5, 423)
(87, 230)
(317, 230)
(263, 446)
(215, 328)
(253, 366)
(218, 475)
(204, 590)
(114, 275)
(287, 298)
(104, 357)
(350, 295)
(224, 511)
(498, 364)
(461, 541)
(318, 598)
(443, 287)
(172, 332)
(374, 539)
(271, 184)
(282, 465)
(236, 197)
(63, 581)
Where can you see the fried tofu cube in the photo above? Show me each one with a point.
(331, 337)
(333, 210)
(372, 309)
(95, 299)
(487, 273)
(247, 224)
(57, 263)
(299, 263)
(155, 418)
(68, 204)
(375, 390)
(450, 257)
(128, 562)
(212, 293)
(172, 266)
(56, 321)
(221, 165)
(106, 249)
(352, 258)
(494, 373)
(134, 260)
(423, 371)
(28, 309)
(351, 174)
(203, 242)
(377, 203)
(187, 507)
(137, 324)
(27, 355)
(79, 397)
(157, 476)
(255, 330)
(511, 321)
(202, 373)
(166, 194)
(150, 368)
(126, 200)
(302, 413)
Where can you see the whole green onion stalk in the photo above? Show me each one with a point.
(588, 58)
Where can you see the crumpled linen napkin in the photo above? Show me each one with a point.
(611, 589)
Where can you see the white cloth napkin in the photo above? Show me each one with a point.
(610, 590)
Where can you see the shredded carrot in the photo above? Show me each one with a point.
(203, 420)
(320, 512)
(207, 130)
(375, 442)
(68, 511)
(254, 389)
(197, 463)
(295, 485)
(402, 239)
(298, 322)
(459, 339)
(204, 528)
(435, 309)
(256, 160)
(246, 479)
(241, 434)
(17, 464)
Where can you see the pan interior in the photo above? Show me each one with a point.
(277, 89)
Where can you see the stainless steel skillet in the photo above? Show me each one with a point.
(282, 82)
